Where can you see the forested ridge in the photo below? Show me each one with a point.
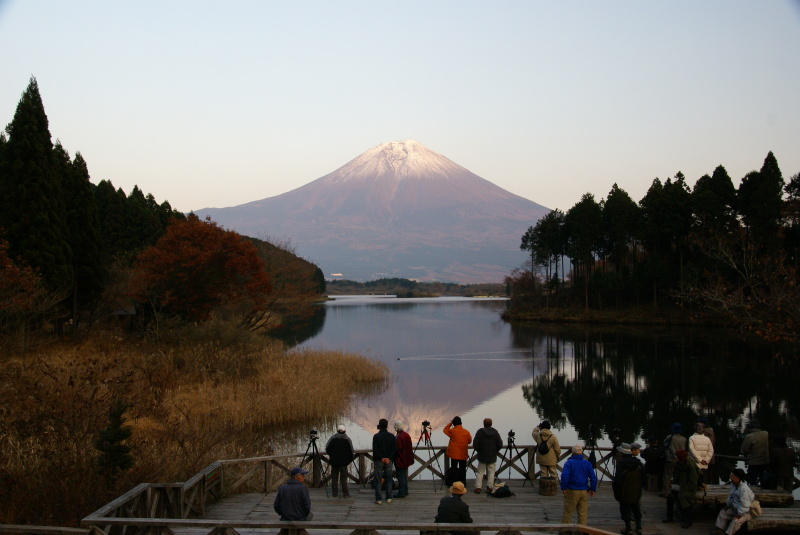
(715, 253)
(76, 252)
(138, 344)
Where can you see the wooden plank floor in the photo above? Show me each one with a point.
(526, 507)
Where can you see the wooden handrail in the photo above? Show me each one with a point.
(171, 501)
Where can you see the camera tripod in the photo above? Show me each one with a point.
(315, 454)
(591, 446)
(511, 447)
(425, 438)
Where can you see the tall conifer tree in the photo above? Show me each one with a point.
(84, 228)
(32, 210)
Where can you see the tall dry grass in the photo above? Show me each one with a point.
(200, 394)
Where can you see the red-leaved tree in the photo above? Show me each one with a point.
(198, 266)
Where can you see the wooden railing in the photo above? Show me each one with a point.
(157, 506)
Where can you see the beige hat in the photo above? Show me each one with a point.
(458, 488)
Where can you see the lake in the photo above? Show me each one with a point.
(456, 356)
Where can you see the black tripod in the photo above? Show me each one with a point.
(591, 446)
(511, 447)
(425, 438)
(312, 447)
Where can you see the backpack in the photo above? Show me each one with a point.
(501, 491)
(543, 448)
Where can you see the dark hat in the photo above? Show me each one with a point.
(457, 420)
(738, 472)
(703, 420)
(652, 440)
(297, 470)
(677, 428)
(545, 424)
(635, 446)
(383, 423)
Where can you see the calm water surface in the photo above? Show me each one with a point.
(455, 356)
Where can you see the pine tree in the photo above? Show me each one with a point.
(32, 209)
(84, 227)
(115, 455)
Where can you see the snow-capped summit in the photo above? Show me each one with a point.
(398, 210)
(399, 160)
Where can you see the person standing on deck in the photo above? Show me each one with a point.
(674, 442)
(755, 448)
(712, 476)
(457, 452)
(701, 450)
(384, 449)
(402, 459)
(627, 486)
(340, 450)
(547, 461)
(683, 493)
(578, 482)
(487, 443)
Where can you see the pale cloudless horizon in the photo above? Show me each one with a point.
(212, 104)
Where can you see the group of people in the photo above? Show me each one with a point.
(681, 463)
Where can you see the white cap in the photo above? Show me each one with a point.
(341, 428)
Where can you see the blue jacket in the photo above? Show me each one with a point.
(293, 501)
(578, 474)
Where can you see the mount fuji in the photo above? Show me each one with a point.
(398, 210)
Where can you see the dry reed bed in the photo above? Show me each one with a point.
(192, 399)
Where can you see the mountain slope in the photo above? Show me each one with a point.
(398, 209)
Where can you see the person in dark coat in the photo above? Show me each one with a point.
(402, 459)
(653, 459)
(292, 502)
(627, 486)
(683, 489)
(384, 450)
(452, 510)
(672, 443)
(755, 448)
(487, 444)
(341, 454)
(782, 459)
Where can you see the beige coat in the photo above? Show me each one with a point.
(551, 459)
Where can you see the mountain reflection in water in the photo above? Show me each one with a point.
(455, 356)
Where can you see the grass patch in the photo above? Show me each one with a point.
(199, 394)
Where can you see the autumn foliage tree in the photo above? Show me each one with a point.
(196, 267)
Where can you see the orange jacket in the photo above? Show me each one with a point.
(460, 438)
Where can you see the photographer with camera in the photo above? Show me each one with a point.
(487, 443)
(340, 450)
(457, 452)
(548, 449)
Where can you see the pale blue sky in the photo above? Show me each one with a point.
(221, 103)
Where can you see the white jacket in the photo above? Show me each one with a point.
(700, 449)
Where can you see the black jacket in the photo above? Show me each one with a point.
(453, 511)
(384, 445)
(293, 501)
(627, 483)
(487, 443)
(340, 449)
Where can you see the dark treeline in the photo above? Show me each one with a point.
(727, 253)
(410, 288)
(73, 252)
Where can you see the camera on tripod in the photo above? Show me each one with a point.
(425, 424)
(511, 434)
(616, 437)
(313, 434)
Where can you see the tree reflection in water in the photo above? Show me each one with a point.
(643, 380)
